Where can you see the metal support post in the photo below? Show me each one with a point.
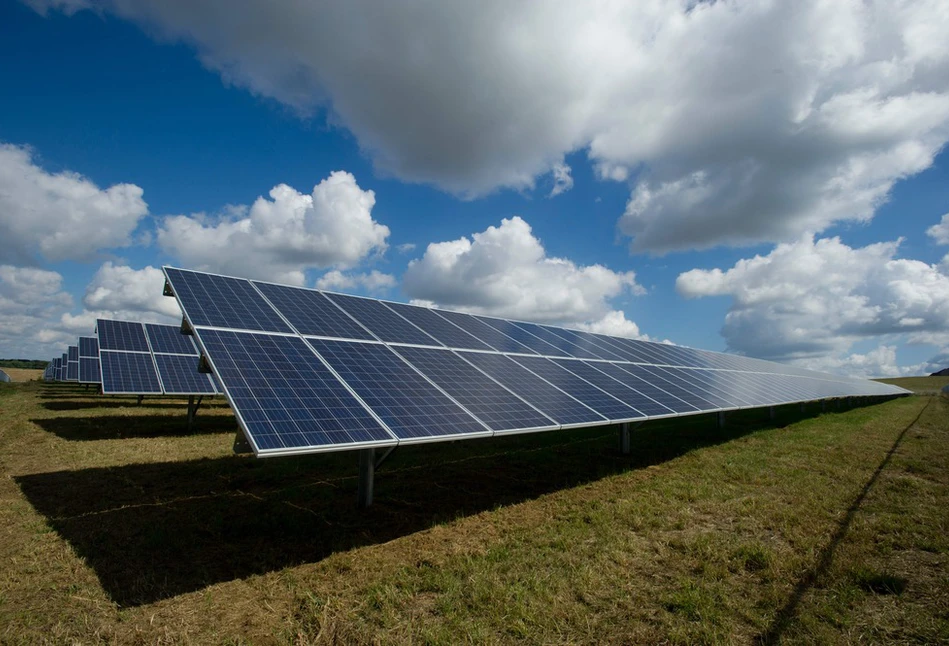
(624, 441)
(367, 471)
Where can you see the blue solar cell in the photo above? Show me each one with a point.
(483, 332)
(601, 402)
(622, 392)
(311, 313)
(287, 399)
(89, 370)
(382, 321)
(219, 301)
(551, 401)
(121, 335)
(523, 337)
(88, 346)
(484, 398)
(438, 327)
(411, 406)
(128, 373)
(168, 339)
(73, 353)
(652, 391)
(179, 375)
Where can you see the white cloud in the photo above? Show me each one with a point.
(504, 271)
(809, 301)
(736, 121)
(60, 216)
(374, 281)
(563, 180)
(278, 239)
(940, 232)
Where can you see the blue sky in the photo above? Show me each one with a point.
(734, 177)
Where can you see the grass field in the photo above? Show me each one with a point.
(120, 526)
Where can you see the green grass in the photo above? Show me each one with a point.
(117, 525)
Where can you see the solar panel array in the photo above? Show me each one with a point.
(149, 359)
(308, 371)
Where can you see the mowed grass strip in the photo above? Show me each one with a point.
(824, 529)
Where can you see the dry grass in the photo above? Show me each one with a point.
(23, 374)
(118, 526)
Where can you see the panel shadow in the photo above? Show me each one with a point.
(153, 531)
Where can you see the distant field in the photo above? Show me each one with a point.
(919, 384)
(118, 525)
(23, 374)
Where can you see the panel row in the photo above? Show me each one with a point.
(294, 394)
(240, 304)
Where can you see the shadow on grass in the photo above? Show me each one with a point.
(118, 427)
(153, 531)
(101, 402)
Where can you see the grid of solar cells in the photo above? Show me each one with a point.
(72, 371)
(523, 337)
(409, 405)
(580, 389)
(311, 313)
(121, 335)
(73, 352)
(553, 402)
(179, 375)
(487, 400)
(285, 396)
(88, 346)
(225, 302)
(89, 370)
(381, 321)
(128, 373)
(168, 339)
(484, 332)
(622, 392)
(645, 387)
(449, 334)
(559, 342)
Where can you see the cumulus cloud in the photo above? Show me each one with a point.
(812, 299)
(279, 238)
(763, 121)
(374, 281)
(940, 232)
(563, 180)
(505, 271)
(60, 216)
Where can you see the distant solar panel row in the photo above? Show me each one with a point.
(312, 371)
(149, 359)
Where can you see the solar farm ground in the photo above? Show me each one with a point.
(117, 525)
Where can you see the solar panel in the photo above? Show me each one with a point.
(121, 335)
(382, 321)
(449, 334)
(492, 403)
(89, 370)
(179, 375)
(168, 339)
(307, 370)
(128, 373)
(602, 402)
(285, 396)
(221, 301)
(88, 347)
(553, 402)
(311, 313)
(409, 404)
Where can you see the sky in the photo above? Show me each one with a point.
(764, 178)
